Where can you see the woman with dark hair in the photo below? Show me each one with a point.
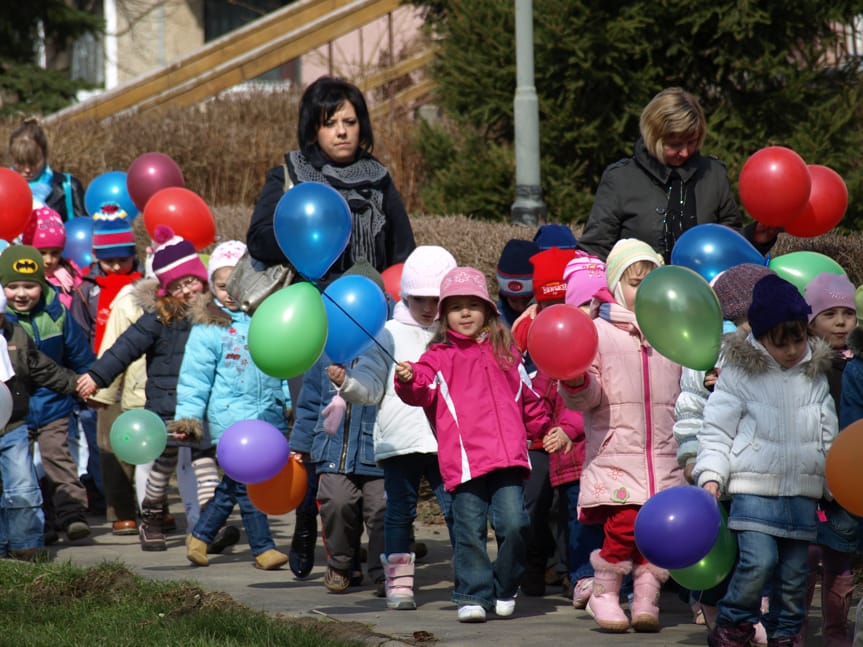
(335, 136)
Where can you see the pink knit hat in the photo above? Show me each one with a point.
(174, 258)
(584, 276)
(45, 229)
(464, 282)
(827, 291)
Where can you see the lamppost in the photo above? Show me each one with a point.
(528, 208)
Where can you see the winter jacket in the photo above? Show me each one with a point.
(481, 413)
(851, 399)
(393, 244)
(219, 383)
(32, 369)
(562, 467)
(125, 310)
(351, 449)
(57, 335)
(400, 429)
(628, 404)
(162, 343)
(767, 430)
(632, 198)
(58, 199)
(85, 301)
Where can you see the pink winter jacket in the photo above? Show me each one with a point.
(562, 467)
(628, 403)
(482, 415)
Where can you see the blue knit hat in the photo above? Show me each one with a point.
(775, 301)
(514, 269)
(113, 236)
(548, 236)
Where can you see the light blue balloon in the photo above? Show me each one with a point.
(710, 249)
(312, 224)
(109, 187)
(79, 241)
(356, 313)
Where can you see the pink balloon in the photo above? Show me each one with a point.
(150, 173)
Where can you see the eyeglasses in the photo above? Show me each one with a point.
(187, 284)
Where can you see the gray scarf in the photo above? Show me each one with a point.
(359, 184)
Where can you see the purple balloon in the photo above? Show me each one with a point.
(677, 527)
(710, 248)
(252, 451)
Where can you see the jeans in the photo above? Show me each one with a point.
(402, 476)
(22, 521)
(85, 419)
(214, 515)
(498, 495)
(767, 560)
(582, 539)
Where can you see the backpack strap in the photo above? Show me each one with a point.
(67, 191)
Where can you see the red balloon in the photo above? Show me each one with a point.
(16, 204)
(774, 185)
(392, 277)
(150, 173)
(282, 493)
(826, 207)
(562, 341)
(183, 211)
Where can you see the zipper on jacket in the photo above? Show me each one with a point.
(346, 436)
(648, 422)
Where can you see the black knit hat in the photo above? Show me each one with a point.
(775, 301)
(514, 269)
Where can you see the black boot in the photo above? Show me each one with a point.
(302, 554)
(152, 531)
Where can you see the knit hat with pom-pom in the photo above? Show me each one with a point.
(174, 258)
(45, 229)
(112, 233)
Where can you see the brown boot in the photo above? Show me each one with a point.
(151, 531)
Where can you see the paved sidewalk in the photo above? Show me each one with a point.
(539, 621)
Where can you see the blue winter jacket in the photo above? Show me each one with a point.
(351, 450)
(219, 383)
(57, 335)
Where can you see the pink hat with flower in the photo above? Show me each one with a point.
(584, 276)
(464, 282)
(45, 229)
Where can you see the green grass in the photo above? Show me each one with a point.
(58, 604)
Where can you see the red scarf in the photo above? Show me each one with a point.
(110, 285)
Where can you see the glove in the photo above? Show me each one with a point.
(334, 413)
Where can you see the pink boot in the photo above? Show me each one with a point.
(604, 604)
(835, 603)
(648, 580)
(399, 571)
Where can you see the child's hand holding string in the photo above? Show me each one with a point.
(405, 372)
(336, 373)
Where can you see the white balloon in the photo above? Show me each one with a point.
(5, 405)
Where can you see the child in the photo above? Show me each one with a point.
(767, 427)
(404, 442)
(627, 397)
(160, 334)
(733, 288)
(23, 368)
(514, 276)
(45, 231)
(474, 389)
(36, 307)
(219, 383)
(338, 443)
(834, 315)
(28, 148)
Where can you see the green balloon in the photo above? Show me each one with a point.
(138, 436)
(680, 316)
(799, 268)
(288, 331)
(715, 566)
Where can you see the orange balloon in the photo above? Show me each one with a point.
(844, 476)
(392, 277)
(282, 493)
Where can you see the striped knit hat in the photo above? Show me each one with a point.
(174, 258)
(112, 233)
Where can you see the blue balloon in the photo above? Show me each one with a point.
(109, 187)
(79, 241)
(709, 249)
(312, 224)
(677, 527)
(356, 312)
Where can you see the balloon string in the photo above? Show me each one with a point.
(356, 323)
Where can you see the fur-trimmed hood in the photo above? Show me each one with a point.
(743, 350)
(144, 293)
(206, 311)
(855, 342)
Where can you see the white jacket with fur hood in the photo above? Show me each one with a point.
(766, 429)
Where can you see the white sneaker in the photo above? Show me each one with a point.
(471, 613)
(505, 608)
